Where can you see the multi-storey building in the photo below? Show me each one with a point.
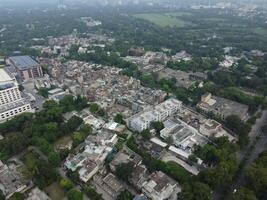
(11, 102)
(159, 186)
(26, 67)
(142, 121)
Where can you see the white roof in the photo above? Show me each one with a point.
(179, 152)
(159, 142)
(4, 76)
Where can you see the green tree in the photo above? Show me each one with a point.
(85, 129)
(54, 158)
(92, 194)
(146, 134)
(119, 119)
(244, 194)
(17, 196)
(77, 138)
(256, 177)
(74, 122)
(66, 184)
(195, 191)
(158, 126)
(124, 171)
(125, 195)
(2, 196)
(74, 194)
(94, 108)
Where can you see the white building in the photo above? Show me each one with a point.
(11, 102)
(142, 121)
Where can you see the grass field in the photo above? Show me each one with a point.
(260, 31)
(178, 14)
(162, 20)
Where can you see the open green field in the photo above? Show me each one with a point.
(178, 14)
(163, 20)
(260, 31)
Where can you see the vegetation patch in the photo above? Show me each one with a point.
(162, 20)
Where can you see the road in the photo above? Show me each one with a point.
(29, 88)
(257, 139)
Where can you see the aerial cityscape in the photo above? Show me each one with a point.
(133, 100)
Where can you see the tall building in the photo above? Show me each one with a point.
(26, 68)
(11, 102)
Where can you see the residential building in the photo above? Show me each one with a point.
(11, 181)
(159, 186)
(125, 156)
(89, 169)
(142, 121)
(97, 148)
(181, 134)
(138, 177)
(26, 67)
(112, 185)
(11, 102)
(222, 107)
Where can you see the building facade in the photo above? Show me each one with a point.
(11, 102)
(26, 67)
(143, 120)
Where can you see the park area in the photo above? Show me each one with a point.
(164, 19)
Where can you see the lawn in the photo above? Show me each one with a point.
(162, 20)
(260, 31)
(55, 192)
(178, 14)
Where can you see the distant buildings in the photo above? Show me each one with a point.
(182, 56)
(222, 107)
(142, 121)
(26, 67)
(11, 102)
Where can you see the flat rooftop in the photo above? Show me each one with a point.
(4, 76)
(23, 62)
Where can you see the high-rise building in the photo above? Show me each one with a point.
(11, 102)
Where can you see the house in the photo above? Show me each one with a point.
(125, 156)
(159, 186)
(89, 169)
(138, 177)
(11, 181)
(112, 185)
